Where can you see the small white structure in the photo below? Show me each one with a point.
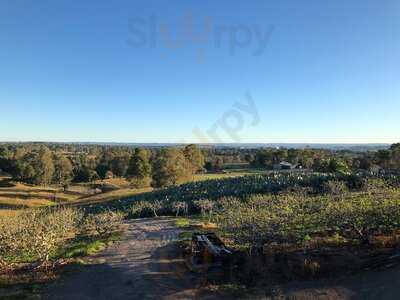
(284, 165)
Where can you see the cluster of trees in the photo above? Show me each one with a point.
(267, 158)
(60, 164)
(388, 159)
(37, 167)
(43, 165)
(329, 161)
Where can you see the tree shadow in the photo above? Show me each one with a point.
(6, 183)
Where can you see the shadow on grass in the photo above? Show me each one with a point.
(12, 206)
(28, 285)
(6, 183)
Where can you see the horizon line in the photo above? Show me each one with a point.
(199, 143)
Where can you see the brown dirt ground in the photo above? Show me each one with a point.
(146, 264)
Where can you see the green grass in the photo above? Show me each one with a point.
(185, 236)
(87, 246)
(182, 222)
(210, 176)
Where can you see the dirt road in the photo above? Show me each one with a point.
(145, 265)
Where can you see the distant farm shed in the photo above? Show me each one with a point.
(284, 165)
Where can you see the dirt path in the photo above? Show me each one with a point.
(144, 265)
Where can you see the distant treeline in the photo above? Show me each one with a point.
(331, 161)
(47, 163)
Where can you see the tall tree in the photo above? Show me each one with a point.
(119, 165)
(139, 169)
(171, 167)
(28, 174)
(395, 157)
(62, 170)
(195, 158)
(44, 166)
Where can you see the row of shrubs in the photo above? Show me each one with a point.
(244, 186)
(296, 214)
(33, 237)
(145, 209)
(169, 203)
(295, 219)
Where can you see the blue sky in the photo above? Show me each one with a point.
(132, 71)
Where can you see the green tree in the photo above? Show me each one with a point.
(62, 170)
(332, 165)
(171, 167)
(28, 174)
(139, 169)
(195, 158)
(84, 174)
(395, 156)
(383, 158)
(119, 165)
(44, 166)
(214, 165)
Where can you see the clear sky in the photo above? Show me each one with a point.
(155, 71)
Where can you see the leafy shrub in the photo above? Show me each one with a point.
(363, 217)
(356, 181)
(335, 188)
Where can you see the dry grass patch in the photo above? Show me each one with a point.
(18, 203)
(14, 195)
(8, 212)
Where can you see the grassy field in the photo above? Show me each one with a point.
(14, 195)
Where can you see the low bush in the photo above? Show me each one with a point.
(243, 187)
(206, 208)
(362, 217)
(145, 209)
(34, 235)
(103, 223)
(180, 206)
